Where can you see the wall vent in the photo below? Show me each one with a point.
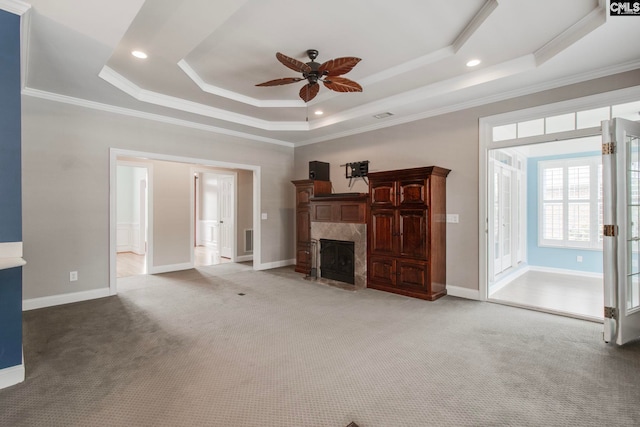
(248, 240)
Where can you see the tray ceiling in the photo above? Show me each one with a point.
(205, 58)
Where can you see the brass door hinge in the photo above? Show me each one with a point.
(608, 148)
(610, 230)
(610, 313)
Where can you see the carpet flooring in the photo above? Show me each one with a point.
(186, 349)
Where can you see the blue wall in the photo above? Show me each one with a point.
(554, 257)
(10, 188)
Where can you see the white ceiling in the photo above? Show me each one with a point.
(205, 58)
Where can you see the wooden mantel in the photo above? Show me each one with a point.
(340, 207)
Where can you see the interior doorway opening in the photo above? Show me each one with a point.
(171, 213)
(132, 218)
(545, 227)
(215, 231)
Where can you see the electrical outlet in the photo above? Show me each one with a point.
(73, 276)
(579, 258)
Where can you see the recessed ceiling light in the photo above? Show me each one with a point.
(318, 112)
(383, 115)
(473, 63)
(139, 54)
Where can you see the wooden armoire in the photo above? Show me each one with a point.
(305, 190)
(406, 232)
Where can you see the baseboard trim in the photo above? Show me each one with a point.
(244, 258)
(170, 268)
(53, 300)
(11, 376)
(276, 264)
(457, 291)
(565, 271)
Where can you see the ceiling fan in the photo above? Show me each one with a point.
(328, 73)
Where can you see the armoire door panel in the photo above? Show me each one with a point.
(413, 192)
(382, 271)
(303, 225)
(413, 233)
(412, 275)
(382, 194)
(383, 229)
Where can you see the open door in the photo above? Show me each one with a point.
(621, 175)
(226, 204)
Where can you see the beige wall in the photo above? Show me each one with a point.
(171, 213)
(450, 141)
(65, 154)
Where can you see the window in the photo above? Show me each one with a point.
(565, 122)
(570, 202)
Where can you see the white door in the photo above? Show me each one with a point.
(226, 197)
(502, 203)
(621, 175)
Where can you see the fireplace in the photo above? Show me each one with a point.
(337, 260)
(341, 217)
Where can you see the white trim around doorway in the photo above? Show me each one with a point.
(486, 143)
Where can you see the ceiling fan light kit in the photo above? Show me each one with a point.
(329, 73)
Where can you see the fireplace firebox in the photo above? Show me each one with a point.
(337, 260)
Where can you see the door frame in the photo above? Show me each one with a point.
(486, 143)
(114, 153)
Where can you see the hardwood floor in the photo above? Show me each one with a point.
(576, 296)
(130, 264)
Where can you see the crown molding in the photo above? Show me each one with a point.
(143, 95)
(16, 7)
(147, 116)
(215, 90)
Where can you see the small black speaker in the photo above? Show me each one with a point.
(319, 171)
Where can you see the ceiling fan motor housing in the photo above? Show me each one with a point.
(314, 75)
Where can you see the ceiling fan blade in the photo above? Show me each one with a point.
(309, 91)
(338, 66)
(341, 84)
(278, 82)
(294, 64)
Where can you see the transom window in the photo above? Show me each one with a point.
(570, 202)
(565, 122)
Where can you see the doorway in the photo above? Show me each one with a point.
(132, 218)
(215, 217)
(171, 213)
(545, 227)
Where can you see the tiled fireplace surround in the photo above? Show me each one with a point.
(356, 233)
(346, 222)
